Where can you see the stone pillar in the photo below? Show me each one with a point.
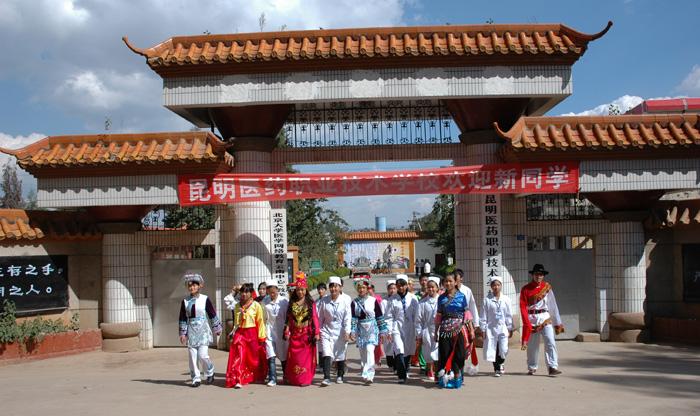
(620, 271)
(250, 224)
(126, 279)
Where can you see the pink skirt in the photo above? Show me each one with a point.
(246, 358)
(301, 358)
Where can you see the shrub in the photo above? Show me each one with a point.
(342, 271)
(31, 331)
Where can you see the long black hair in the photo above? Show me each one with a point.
(309, 301)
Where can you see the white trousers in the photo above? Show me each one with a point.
(198, 354)
(367, 361)
(550, 348)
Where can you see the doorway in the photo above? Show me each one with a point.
(168, 265)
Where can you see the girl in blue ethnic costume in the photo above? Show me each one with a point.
(194, 328)
(454, 331)
(368, 328)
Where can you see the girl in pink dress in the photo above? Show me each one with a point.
(302, 331)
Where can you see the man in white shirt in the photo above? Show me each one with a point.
(540, 315)
(427, 267)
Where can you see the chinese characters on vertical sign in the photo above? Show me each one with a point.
(34, 282)
(278, 227)
(546, 177)
(491, 236)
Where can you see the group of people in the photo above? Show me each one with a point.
(434, 328)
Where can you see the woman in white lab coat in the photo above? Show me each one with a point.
(425, 326)
(401, 321)
(334, 321)
(497, 326)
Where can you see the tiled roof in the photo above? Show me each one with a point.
(341, 45)
(382, 235)
(603, 133)
(17, 225)
(670, 214)
(119, 149)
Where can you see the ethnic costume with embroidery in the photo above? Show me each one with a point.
(275, 344)
(454, 324)
(368, 326)
(194, 313)
(246, 360)
(334, 318)
(496, 324)
(541, 319)
(301, 329)
(400, 319)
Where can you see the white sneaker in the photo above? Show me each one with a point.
(503, 369)
(325, 383)
(497, 374)
(237, 386)
(368, 381)
(271, 383)
(339, 380)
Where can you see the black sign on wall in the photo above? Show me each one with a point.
(691, 272)
(34, 283)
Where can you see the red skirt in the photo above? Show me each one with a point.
(301, 358)
(246, 358)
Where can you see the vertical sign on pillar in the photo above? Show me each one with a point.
(278, 227)
(491, 236)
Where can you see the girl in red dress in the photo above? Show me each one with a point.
(247, 362)
(302, 331)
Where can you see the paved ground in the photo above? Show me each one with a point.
(602, 378)
(598, 379)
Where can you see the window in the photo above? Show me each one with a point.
(563, 242)
(556, 207)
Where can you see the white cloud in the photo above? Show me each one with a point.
(624, 103)
(691, 83)
(72, 56)
(423, 204)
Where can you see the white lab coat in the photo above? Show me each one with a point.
(334, 319)
(402, 324)
(387, 340)
(427, 268)
(496, 322)
(425, 327)
(275, 315)
(471, 303)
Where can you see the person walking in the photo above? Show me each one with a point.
(275, 307)
(497, 326)
(302, 331)
(195, 331)
(334, 318)
(400, 318)
(426, 343)
(246, 359)
(540, 315)
(368, 328)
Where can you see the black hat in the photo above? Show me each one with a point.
(538, 268)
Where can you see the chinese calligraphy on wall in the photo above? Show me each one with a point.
(491, 236)
(278, 227)
(34, 282)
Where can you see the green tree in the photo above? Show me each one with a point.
(194, 218)
(440, 222)
(11, 188)
(317, 231)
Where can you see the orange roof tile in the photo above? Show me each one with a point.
(340, 46)
(119, 149)
(382, 235)
(603, 133)
(17, 225)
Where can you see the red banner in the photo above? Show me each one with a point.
(550, 177)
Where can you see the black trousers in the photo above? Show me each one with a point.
(402, 364)
(499, 361)
(340, 368)
(446, 344)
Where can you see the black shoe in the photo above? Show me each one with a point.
(210, 380)
(554, 372)
(196, 384)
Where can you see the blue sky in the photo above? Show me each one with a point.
(64, 69)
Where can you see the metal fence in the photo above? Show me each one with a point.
(369, 124)
(553, 207)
